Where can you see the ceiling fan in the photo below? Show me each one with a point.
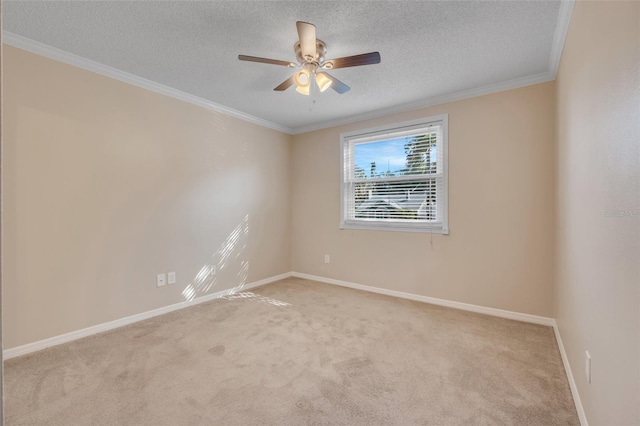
(310, 53)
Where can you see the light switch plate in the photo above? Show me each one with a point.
(171, 278)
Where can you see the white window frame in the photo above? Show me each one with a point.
(441, 225)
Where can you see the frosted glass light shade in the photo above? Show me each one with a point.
(323, 81)
(303, 89)
(302, 79)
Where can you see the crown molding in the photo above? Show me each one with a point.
(436, 100)
(560, 35)
(30, 45)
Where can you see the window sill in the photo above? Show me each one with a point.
(377, 226)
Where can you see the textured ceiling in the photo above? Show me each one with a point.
(430, 50)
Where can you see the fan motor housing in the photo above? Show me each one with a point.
(321, 50)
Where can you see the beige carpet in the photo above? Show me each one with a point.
(299, 352)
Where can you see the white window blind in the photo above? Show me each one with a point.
(395, 177)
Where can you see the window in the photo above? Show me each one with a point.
(395, 177)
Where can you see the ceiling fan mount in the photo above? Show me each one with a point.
(310, 53)
(321, 50)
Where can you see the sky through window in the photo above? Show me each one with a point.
(388, 156)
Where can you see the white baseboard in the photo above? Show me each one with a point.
(572, 383)
(78, 334)
(74, 335)
(535, 319)
(473, 308)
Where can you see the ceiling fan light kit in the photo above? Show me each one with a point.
(302, 77)
(302, 81)
(322, 81)
(310, 53)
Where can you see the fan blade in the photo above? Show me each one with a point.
(266, 61)
(307, 36)
(337, 85)
(285, 84)
(352, 61)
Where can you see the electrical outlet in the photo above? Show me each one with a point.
(212, 271)
(587, 366)
(161, 280)
(327, 258)
(171, 278)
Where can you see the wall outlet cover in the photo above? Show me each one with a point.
(161, 280)
(587, 366)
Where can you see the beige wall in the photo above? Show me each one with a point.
(107, 184)
(501, 206)
(1, 344)
(598, 296)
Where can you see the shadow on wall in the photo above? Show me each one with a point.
(228, 256)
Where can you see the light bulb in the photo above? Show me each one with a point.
(301, 78)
